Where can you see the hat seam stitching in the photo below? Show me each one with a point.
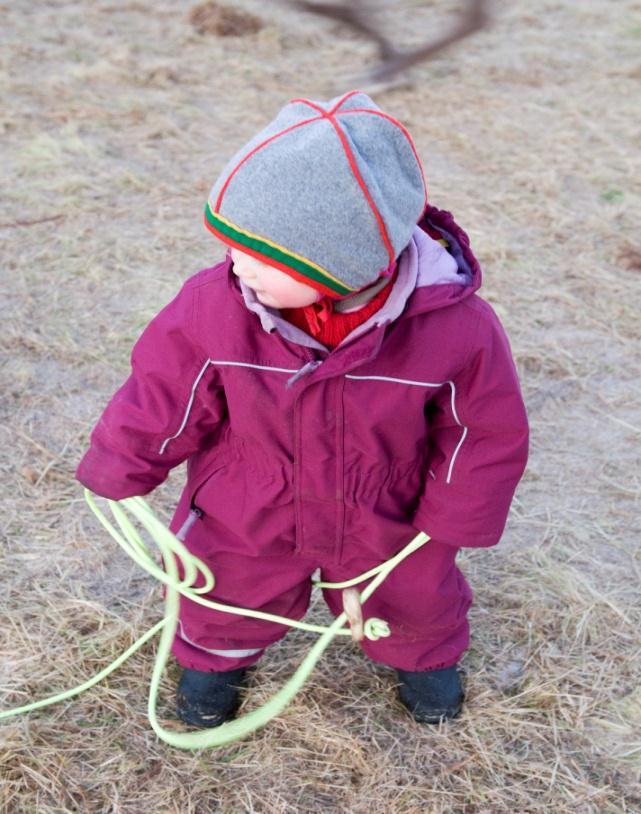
(359, 179)
(405, 133)
(254, 151)
(310, 104)
(347, 96)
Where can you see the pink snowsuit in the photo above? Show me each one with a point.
(299, 457)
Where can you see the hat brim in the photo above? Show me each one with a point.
(298, 267)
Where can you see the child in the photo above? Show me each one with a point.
(335, 385)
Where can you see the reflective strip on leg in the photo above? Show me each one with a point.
(233, 654)
(230, 654)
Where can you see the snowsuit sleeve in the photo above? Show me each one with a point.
(478, 444)
(166, 410)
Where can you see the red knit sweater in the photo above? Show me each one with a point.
(330, 327)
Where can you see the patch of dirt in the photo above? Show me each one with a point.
(223, 21)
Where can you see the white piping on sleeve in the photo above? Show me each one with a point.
(460, 443)
(195, 385)
(429, 384)
(191, 400)
(401, 381)
(260, 367)
(458, 446)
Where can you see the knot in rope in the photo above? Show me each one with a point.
(376, 629)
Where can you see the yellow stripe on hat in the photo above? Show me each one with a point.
(298, 258)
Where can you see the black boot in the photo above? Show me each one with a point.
(206, 699)
(431, 695)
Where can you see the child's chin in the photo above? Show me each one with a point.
(276, 302)
(273, 302)
(267, 299)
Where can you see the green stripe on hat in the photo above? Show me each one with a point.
(271, 250)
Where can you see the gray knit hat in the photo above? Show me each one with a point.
(328, 192)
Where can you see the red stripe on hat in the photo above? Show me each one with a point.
(255, 150)
(310, 104)
(344, 99)
(331, 112)
(271, 262)
(403, 130)
(352, 163)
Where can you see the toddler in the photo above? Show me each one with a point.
(335, 385)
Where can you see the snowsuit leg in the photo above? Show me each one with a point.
(211, 640)
(425, 600)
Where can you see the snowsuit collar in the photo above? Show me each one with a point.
(427, 279)
(271, 319)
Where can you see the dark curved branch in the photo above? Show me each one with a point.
(355, 14)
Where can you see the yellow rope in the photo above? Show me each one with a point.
(170, 548)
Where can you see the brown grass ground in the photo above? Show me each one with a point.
(116, 119)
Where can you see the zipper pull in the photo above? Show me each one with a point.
(305, 369)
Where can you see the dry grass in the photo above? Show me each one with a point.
(116, 120)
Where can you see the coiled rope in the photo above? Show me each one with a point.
(170, 547)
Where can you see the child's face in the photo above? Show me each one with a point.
(271, 286)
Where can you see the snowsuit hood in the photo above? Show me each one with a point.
(429, 277)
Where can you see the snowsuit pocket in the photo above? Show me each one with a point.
(254, 501)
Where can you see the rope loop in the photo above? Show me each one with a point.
(376, 629)
(171, 548)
